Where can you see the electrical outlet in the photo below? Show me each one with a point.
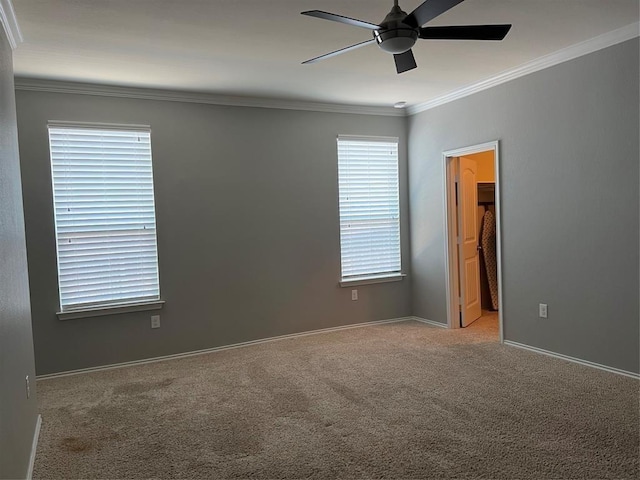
(542, 310)
(354, 294)
(155, 321)
(28, 385)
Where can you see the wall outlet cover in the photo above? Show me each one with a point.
(155, 321)
(542, 310)
(354, 294)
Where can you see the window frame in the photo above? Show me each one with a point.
(93, 309)
(371, 278)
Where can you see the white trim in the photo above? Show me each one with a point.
(110, 310)
(449, 255)
(34, 448)
(10, 23)
(470, 150)
(429, 322)
(394, 277)
(221, 348)
(564, 55)
(201, 98)
(569, 53)
(103, 126)
(568, 358)
(368, 138)
(498, 207)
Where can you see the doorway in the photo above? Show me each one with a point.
(472, 235)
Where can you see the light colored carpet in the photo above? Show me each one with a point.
(401, 400)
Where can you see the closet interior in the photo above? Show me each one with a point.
(487, 245)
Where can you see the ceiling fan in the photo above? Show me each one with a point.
(399, 31)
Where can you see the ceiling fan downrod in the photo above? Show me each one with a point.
(395, 36)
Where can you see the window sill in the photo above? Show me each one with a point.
(111, 310)
(396, 277)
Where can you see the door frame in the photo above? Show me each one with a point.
(451, 254)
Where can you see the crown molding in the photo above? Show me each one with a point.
(41, 85)
(55, 86)
(574, 51)
(10, 23)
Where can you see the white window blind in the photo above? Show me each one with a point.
(369, 206)
(104, 216)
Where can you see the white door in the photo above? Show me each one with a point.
(468, 257)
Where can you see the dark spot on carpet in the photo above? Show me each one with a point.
(133, 388)
(448, 409)
(344, 391)
(75, 444)
(289, 400)
(286, 396)
(233, 435)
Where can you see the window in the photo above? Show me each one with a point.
(104, 216)
(369, 207)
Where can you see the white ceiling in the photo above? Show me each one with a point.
(255, 47)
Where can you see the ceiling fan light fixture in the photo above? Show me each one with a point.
(396, 41)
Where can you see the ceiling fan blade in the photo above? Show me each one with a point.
(429, 10)
(338, 52)
(405, 61)
(339, 18)
(465, 32)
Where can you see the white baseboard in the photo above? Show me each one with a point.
(34, 447)
(296, 335)
(573, 359)
(221, 348)
(430, 322)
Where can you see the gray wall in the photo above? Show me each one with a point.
(248, 232)
(18, 415)
(569, 184)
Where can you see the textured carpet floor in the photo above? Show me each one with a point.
(401, 400)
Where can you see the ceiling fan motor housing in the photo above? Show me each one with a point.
(395, 36)
(399, 31)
